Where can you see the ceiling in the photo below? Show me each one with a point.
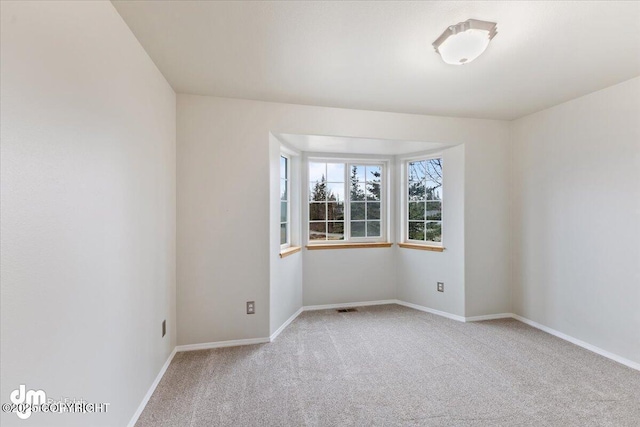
(378, 55)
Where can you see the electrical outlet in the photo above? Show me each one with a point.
(251, 307)
(440, 286)
(164, 328)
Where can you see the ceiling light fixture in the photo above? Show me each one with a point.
(465, 41)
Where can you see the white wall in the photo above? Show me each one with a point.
(286, 289)
(576, 218)
(88, 210)
(349, 275)
(487, 226)
(224, 245)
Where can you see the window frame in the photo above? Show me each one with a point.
(404, 214)
(348, 162)
(287, 178)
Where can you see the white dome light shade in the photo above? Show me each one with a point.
(464, 42)
(463, 48)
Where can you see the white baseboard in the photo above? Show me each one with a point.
(220, 344)
(348, 304)
(147, 396)
(455, 316)
(431, 310)
(489, 317)
(585, 345)
(285, 324)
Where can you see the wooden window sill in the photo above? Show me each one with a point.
(349, 246)
(290, 251)
(421, 247)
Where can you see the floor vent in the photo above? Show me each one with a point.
(346, 310)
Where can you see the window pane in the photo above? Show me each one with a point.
(434, 171)
(357, 210)
(434, 232)
(437, 193)
(317, 211)
(357, 173)
(318, 191)
(335, 172)
(335, 211)
(317, 230)
(373, 191)
(373, 210)
(358, 229)
(416, 230)
(283, 167)
(317, 172)
(374, 173)
(335, 192)
(433, 190)
(357, 191)
(335, 231)
(417, 191)
(434, 210)
(417, 171)
(416, 211)
(283, 212)
(283, 189)
(373, 228)
(283, 234)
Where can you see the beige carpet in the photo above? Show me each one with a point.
(391, 365)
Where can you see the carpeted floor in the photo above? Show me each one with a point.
(390, 365)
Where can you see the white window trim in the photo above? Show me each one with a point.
(404, 208)
(384, 197)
